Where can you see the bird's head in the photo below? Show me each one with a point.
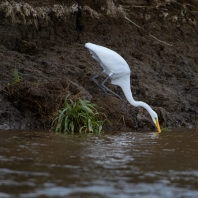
(155, 120)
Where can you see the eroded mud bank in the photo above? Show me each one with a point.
(45, 41)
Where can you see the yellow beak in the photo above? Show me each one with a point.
(157, 125)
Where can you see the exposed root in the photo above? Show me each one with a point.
(149, 34)
(121, 117)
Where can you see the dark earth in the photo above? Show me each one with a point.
(44, 42)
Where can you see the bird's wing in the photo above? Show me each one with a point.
(108, 59)
(94, 55)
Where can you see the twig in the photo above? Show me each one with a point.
(149, 34)
(141, 6)
(119, 119)
(132, 22)
(122, 116)
(160, 40)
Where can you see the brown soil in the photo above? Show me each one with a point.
(46, 44)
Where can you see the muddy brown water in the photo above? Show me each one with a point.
(124, 165)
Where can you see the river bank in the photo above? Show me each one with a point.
(44, 41)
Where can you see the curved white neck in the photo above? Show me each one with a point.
(127, 92)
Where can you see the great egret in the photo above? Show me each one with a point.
(118, 71)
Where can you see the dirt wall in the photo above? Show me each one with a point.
(45, 42)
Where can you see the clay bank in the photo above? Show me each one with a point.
(44, 42)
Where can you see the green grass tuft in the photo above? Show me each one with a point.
(17, 77)
(195, 8)
(79, 116)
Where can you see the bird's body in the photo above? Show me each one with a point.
(119, 72)
(107, 59)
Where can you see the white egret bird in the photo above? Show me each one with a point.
(119, 72)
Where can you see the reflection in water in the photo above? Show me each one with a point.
(135, 164)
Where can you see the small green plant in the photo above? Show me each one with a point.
(79, 116)
(183, 12)
(195, 8)
(17, 77)
(131, 52)
(165, 129)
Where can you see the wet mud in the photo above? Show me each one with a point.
(45, 41)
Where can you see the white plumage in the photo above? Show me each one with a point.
(107, 59)
(118, 71)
